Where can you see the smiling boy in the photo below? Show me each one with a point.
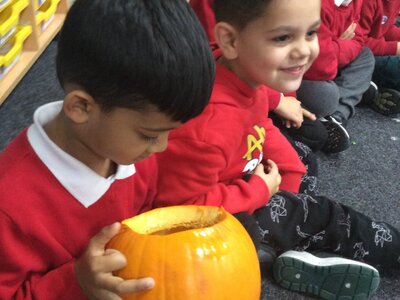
(231, 155)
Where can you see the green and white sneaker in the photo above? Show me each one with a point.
(332, 278)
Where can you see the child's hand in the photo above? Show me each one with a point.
(291, 112)
(270, 174)
(94, 269)
(349, 33)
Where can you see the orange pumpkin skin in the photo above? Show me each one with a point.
(192, 252)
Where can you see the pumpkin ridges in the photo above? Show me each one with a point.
(181, 274)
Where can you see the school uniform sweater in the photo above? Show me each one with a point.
(209, 157)
(44, 228)
(378, 18)
(334, 52)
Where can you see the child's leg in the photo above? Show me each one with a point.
(308, 183)
(387, 77)
(309, 180)
(319, 97)
(265, 252)
(387, 72)
(299, 221)
(353, 80)
(322, 98)
(311, 133)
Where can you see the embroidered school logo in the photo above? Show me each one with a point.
(384, 20)
(254, 152)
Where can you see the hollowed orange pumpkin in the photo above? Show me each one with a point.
(192, 252)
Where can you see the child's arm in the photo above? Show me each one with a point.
(349, 33)
(384, 44)
(334, 52)
(22, 255)
(194, 172)
(94, 269)
(270, 174)
(291, 112)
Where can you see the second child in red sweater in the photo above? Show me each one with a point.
(338, 78)
(231, 156)
(382, 36)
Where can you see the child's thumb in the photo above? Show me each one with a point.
(100, 240)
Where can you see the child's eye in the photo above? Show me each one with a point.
(312, 33)
(282, 38)
(150, 139)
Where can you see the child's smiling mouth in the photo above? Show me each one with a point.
(294, 71)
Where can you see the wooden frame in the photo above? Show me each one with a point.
(33, 46)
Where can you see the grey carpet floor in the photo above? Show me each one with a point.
(365, 177)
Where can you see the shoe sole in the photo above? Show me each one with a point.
(341, 127)
(328, 278)
(387, 102)
(335, 146)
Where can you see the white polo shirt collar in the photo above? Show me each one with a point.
(82, 182)
(342, 2)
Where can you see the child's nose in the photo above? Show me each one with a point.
(302, 48)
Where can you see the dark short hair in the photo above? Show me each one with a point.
(136, 54)
(239, 12)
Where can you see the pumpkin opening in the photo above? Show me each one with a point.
(169, 220)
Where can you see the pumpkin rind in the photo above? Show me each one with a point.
(216, 262)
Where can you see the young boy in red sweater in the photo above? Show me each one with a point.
(84, 164)
(221, 157)
(338, 78)
(382, 36)
(329, 136)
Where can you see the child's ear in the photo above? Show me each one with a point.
(226, 35)
(78, 105)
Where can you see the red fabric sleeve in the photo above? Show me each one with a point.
(184, 182)
(350, 49)
(58, 284)
(274, 97)
(381, 47)
(334, 52)
(393, 34)
(325, 66)
(278, 149)
(380, 42)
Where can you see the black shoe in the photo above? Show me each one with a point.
(370, 95)
(387, 102)
(311, 133)
(332, 278)
(340, 118)
(338, 137)
(266, 255)
(265, 252)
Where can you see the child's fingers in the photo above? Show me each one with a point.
(99, 241)
(117, 285)
(308, 114)
(113, 260)
(271, 165)
(136, 285)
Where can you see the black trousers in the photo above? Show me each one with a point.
(312, 223)
(306, 221)
(311, 133)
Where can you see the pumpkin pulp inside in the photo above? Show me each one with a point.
(175, 219)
